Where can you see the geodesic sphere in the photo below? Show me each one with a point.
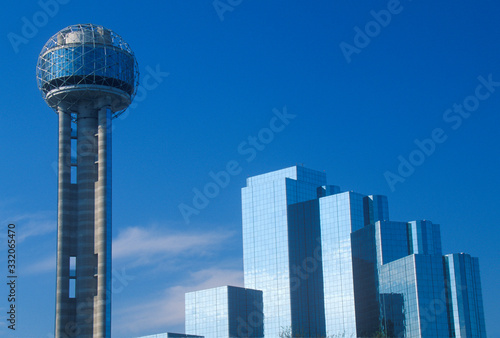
(87, 62)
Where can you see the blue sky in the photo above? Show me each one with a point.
(361, 103)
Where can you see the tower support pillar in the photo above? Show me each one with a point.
(86, 260)
(66, 241)
(102, 305)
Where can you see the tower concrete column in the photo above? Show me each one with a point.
(66, 244)
(86, 271)
(102, 306)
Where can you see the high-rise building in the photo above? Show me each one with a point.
(411, 279)
(332, 263)
(277, 243)
(340, 215)
(88, 75)
(464, 296)
(224, 312)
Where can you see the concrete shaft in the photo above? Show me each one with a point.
(86, 287)
(102, 306)
(66, 240)
(84, 225)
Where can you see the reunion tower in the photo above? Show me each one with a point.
(88, 74)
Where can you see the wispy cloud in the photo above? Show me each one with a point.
(47, 264)
(149, 245)
(141, 250)
(33, 224)
(135, 246)
(165, 309)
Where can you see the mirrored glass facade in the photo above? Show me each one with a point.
(224, 312)
(412, 297)
(365, 280)
(341, 214)
(465, 300)
(278, 242)
(376, 208)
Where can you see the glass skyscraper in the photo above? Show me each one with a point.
(278, 241)
(332, 263)
(411, 279)
(224, 312)
(465, 301)
(340, 215)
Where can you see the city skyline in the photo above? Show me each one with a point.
(211, 95)
(332, 263)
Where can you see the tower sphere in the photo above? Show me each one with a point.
(87, 63)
